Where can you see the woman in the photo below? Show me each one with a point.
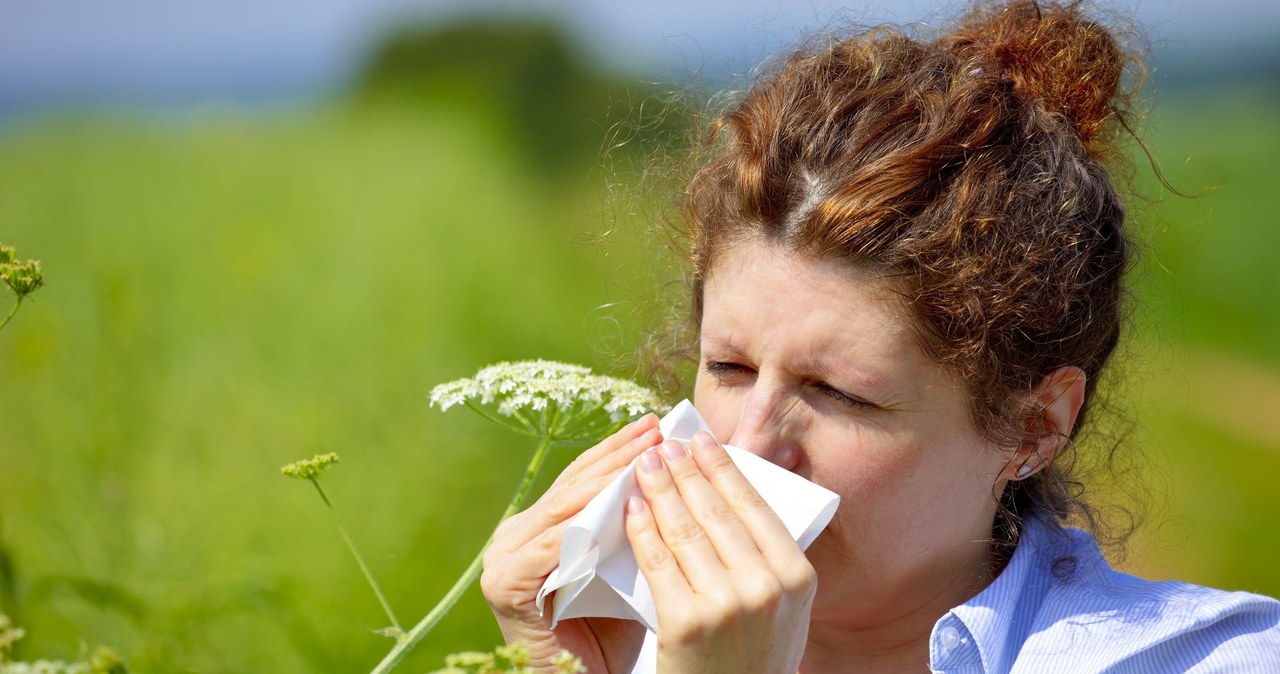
(907, 264)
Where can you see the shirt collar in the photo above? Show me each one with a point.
(996, 621)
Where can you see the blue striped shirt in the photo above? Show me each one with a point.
(1059, 607)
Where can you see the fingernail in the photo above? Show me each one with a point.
(704, 439)
(673, 449)
(650, 461)
(635, 504)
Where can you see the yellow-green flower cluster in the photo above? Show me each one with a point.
(104, 660)
(310, 469)
(22, 276)
(513, 659)
(546, 398)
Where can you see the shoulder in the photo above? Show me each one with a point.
(1131, 624)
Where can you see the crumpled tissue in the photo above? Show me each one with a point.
(598, 575)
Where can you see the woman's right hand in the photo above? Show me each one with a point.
(526, 549)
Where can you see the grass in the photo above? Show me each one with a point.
(227, 296)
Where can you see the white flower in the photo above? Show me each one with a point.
(544, 398)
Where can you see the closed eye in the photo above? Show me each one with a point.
(844, 398)
(723, 370)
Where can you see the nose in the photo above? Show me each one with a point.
(765, 427)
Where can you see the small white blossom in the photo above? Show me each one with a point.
(44, 667)
(544, 398)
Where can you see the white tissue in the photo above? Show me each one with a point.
(598, 575)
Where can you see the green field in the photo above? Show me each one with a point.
(227, 294)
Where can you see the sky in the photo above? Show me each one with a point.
(242, 50)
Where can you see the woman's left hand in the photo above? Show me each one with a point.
(732, 588)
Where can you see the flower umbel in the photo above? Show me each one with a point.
(513, 659)
(310, 469)
(546, 399)
(557, 403)
(23, 277)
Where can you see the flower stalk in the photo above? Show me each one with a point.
(310, 470)
(472, 572)
(364, 568)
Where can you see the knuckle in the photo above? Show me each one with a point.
(653, 559)
(684, 533)
(489, 560)
(505, 594)
(572, 475)
(720, 512)
(548, 543)
(762, 595)
(555, 505)
(685, 628)
(749, 497)
(724, 603)
(506, 525)
(493, 583)
(800, 579)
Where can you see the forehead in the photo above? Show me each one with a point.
(757, 291)
(793, 282)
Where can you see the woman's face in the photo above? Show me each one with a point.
(813, 365)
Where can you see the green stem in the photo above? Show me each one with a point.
(469, 576)
(12, 311)
(364, 568)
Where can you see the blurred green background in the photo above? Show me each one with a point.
(229, 292)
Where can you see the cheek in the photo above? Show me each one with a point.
(866, 466)
(931, 486)
(717, 406)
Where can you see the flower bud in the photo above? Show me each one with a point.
(310, 469)
(23, 277)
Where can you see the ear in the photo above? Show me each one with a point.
(1055, 403)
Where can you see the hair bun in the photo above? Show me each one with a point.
(1052, 54)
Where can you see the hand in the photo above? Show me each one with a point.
(526, 548)
(732, 589)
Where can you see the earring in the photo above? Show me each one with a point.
(1024, 471)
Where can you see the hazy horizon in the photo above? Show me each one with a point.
(73, 52)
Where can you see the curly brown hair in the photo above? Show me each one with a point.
(972, 168)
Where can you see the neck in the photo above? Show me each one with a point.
(832, 650)
(885, 641)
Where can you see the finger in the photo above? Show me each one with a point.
(603, 456)
(571, 492)
(768, 531)
(657, 564)
(732, 540)
(681, 533)
(523, 571)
